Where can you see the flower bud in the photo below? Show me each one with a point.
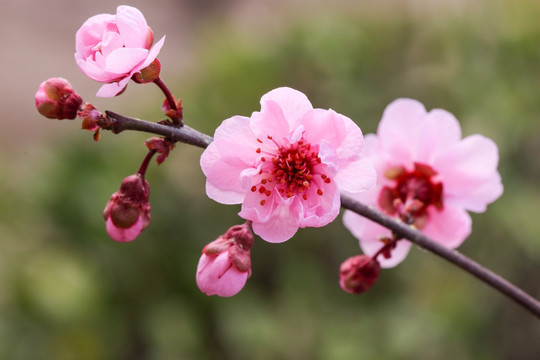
(127, 213)
(56, 99)
(225, 263)
(358, 273)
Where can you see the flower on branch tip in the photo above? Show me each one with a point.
(358, 273)
(225, 263)
(127, 213)
(56, 99)
(428, 177)
(111, 49)
(286, 164)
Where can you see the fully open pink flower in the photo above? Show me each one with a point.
(286, 164)
(112, 48)
(427, 176)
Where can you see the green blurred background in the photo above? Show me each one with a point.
(69, 292)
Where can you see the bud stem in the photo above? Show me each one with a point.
(145, 162)
(170, 98)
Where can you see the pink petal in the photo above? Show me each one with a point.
(477, 198)
(234, 137)
(270, 121)
(91, 32)
(112, 89)
(450, 227)
(294, 104)
(398, 129)
(469, 174)
(124, 235)
(225, 175)
(153, 53)
(94, 72)
(369, 234)
(319, 210)
(439, 131)
(110, 42)
(254, 211)
(356, 176)
(281, 226)
(217, 276)
(124, 60)
(329, 126)
(132, 26)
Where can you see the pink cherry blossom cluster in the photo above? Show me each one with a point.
(289, 164)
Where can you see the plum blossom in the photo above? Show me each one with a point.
(428, 176)
(112, 48)
(286, 164)
(225, 263)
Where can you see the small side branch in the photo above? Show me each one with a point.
(118, 123)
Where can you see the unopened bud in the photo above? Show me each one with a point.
(225, 263)
(56, 99)
(127, 213)
(358, 273)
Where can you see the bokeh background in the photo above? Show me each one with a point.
(69, 292)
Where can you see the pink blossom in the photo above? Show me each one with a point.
(112, 48)
(428, 176)
(225, 264)
(286, 164)
(127, 213)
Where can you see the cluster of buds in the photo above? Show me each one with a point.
(127, 213)
(225, 263)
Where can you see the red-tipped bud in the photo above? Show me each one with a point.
(127, 213)
(225, 263)
(56, 99)
(358, 273)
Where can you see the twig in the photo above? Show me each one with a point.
(118, 123)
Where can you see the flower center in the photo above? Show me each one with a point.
(292, 170)
(413, 192)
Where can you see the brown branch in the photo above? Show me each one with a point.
(118, 123)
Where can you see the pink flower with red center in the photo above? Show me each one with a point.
(112, 48)
(428, 176)
(286, 164)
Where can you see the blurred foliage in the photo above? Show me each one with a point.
(69, 292)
